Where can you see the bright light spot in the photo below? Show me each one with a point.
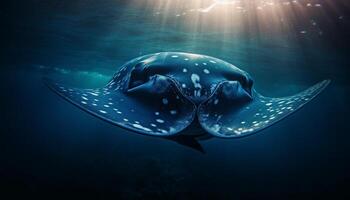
(216, 3)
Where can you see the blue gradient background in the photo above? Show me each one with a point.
(51, 149)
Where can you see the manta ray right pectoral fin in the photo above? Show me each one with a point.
(223, 117)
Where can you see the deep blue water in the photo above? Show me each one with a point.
(50, 148)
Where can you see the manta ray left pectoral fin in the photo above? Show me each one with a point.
(145, 109)
(224, 117)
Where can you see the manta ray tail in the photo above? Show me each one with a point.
(188, 141)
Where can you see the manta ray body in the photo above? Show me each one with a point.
(184, 97)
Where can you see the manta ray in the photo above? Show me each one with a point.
(184, 97)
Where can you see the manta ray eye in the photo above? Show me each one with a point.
(143, 72)
(233, 90)
(138, 76)
(246, 82)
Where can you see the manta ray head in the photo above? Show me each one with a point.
(196, 81)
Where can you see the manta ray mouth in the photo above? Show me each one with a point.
(232, 90)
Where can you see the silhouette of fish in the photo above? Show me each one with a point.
(184, 97)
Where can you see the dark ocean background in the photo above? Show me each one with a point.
(51, 149)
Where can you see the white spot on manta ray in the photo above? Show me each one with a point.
(216, 101)
(160, 121)
(197, 86)
(141, 127)
(165, 101)
(94, 94)
(206, 71)
(215, 127)
(153, 125)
